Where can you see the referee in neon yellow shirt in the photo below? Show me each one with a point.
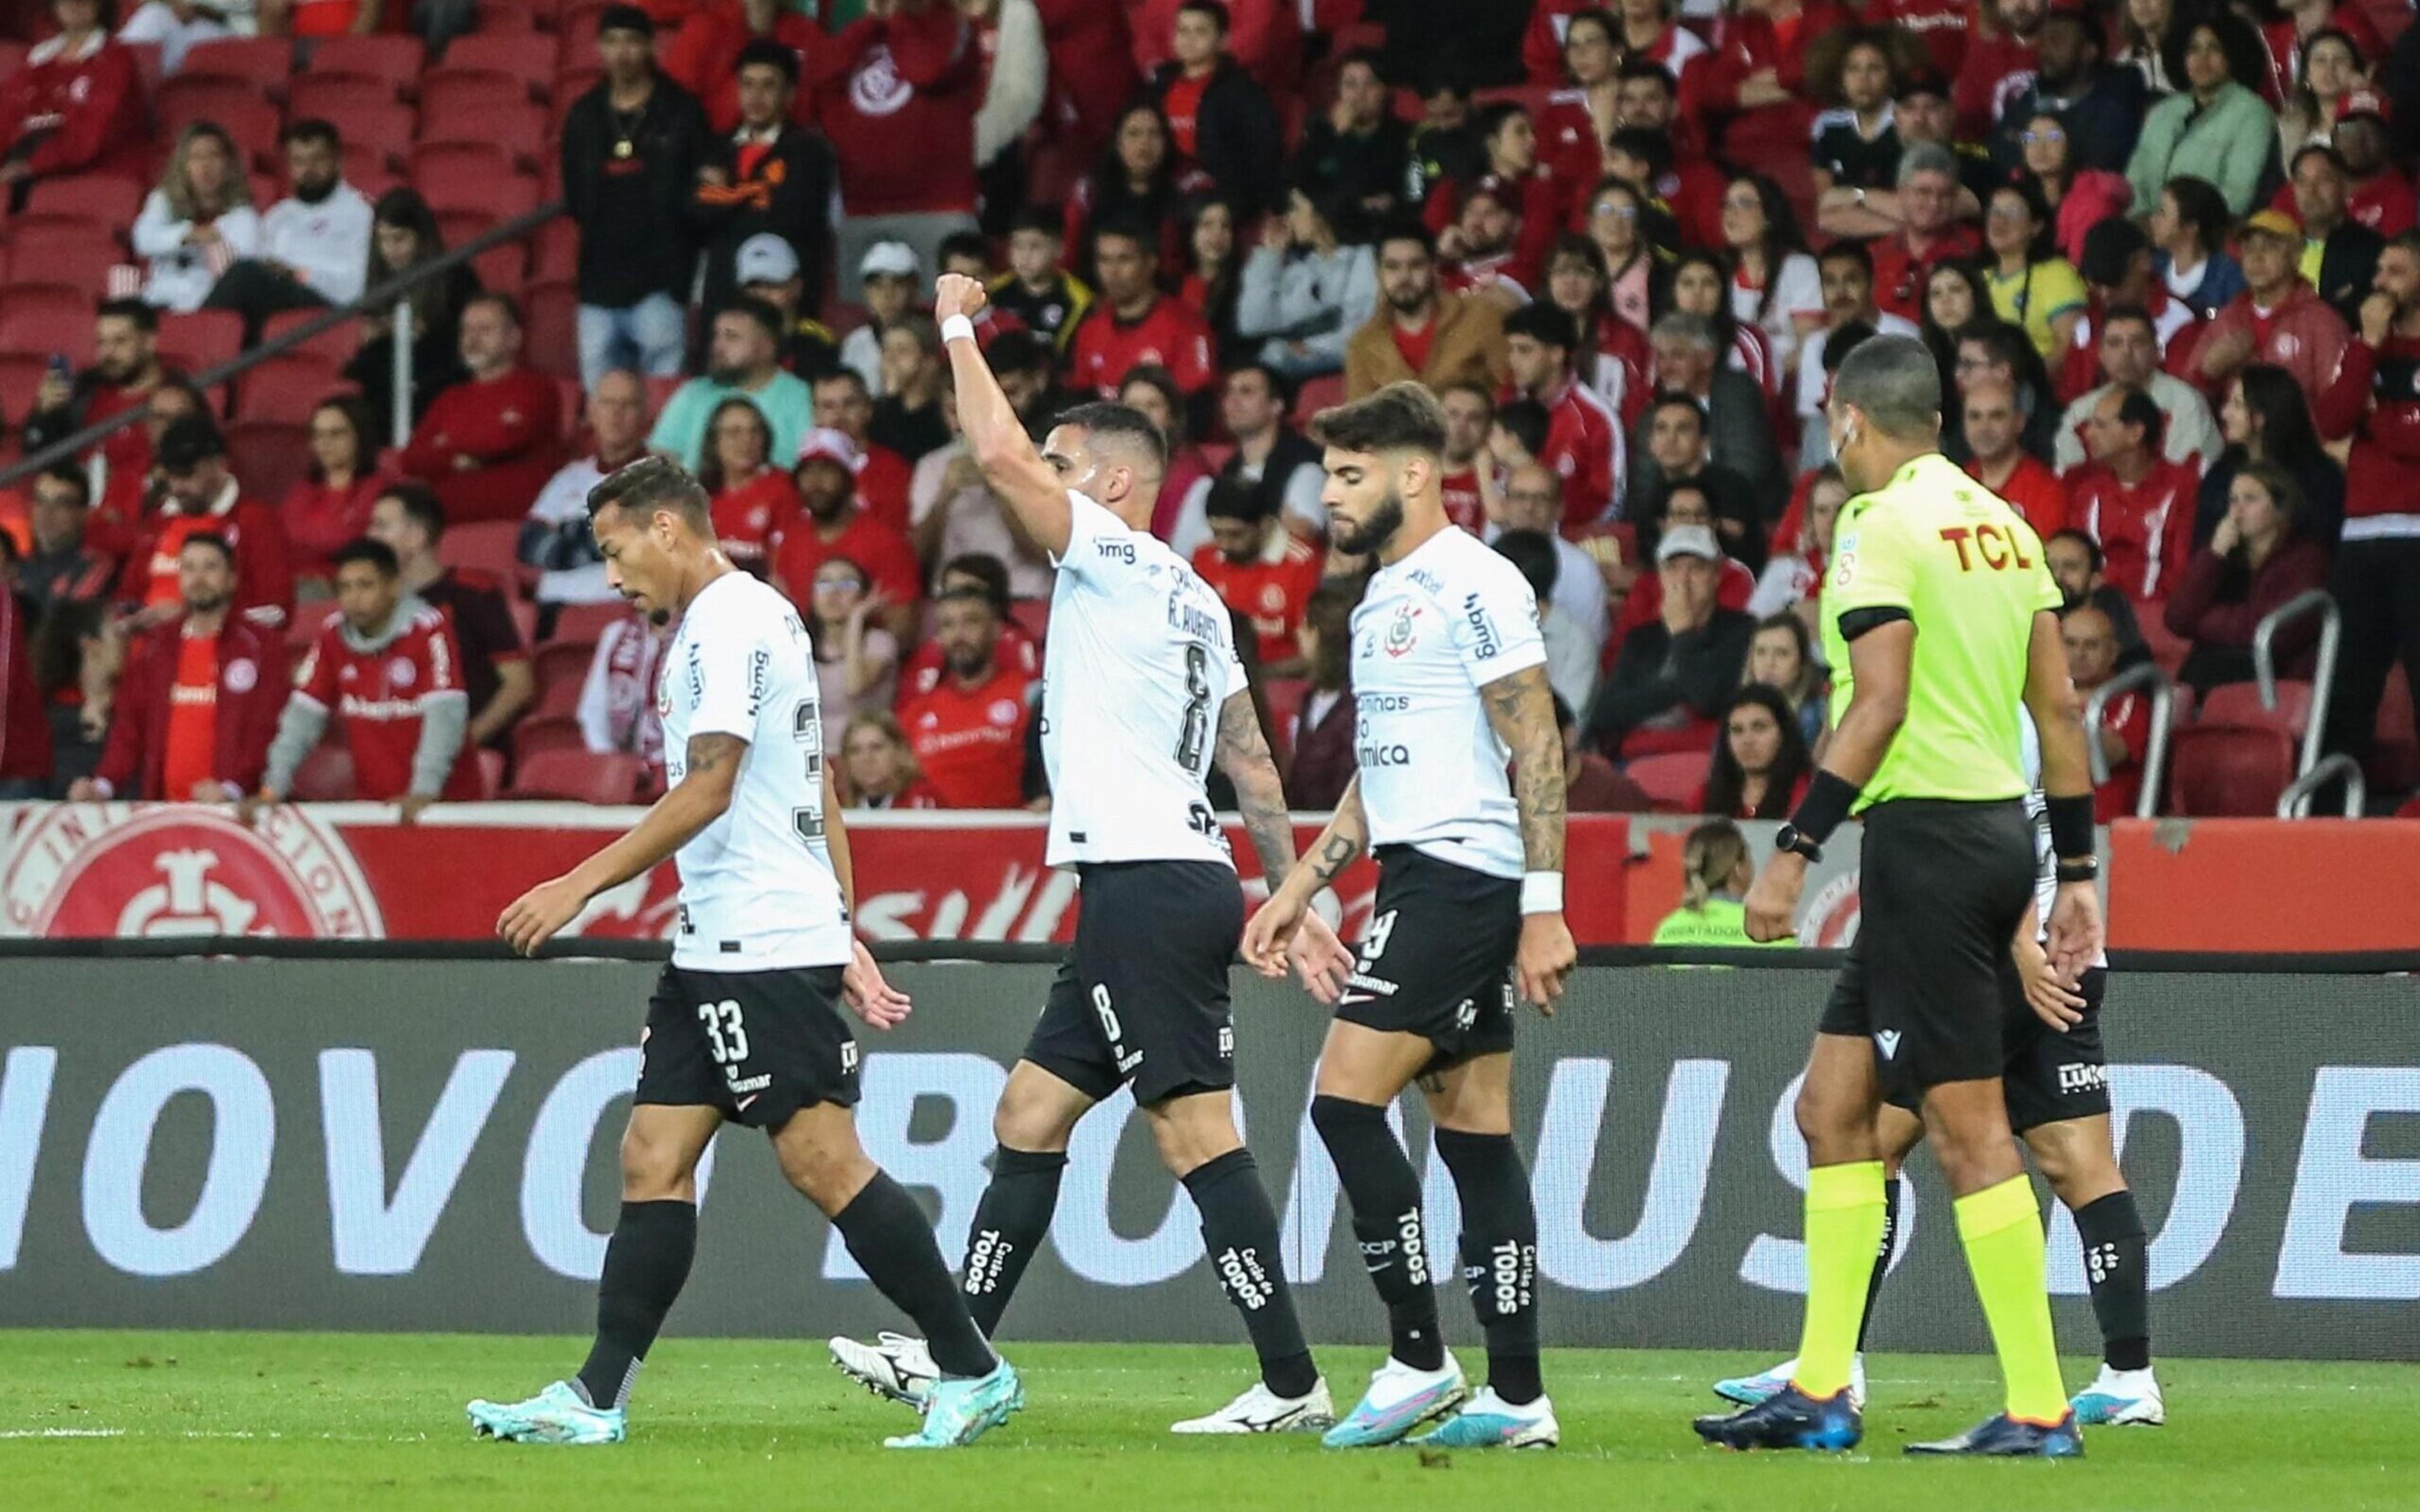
(1938, 617)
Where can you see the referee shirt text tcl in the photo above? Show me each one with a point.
(756, 886)
(1431, 631)
(1970, 572)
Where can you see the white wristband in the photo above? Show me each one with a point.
(1541, 892)
(957, 328)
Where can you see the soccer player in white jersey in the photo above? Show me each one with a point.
(2057, 1090)
(744, 1025)
(1449, 680)
(1141, 691)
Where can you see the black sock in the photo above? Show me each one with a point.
(892, 1243)
(646, 1263)
(1384, 1196)
(2116, 1262)
(1010, 1222)
(1240, 1229)
(1881, 1257)
(1499, 1255)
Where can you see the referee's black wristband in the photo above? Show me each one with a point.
(2070, 826)
(1828, 799)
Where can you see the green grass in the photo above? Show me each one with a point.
(144, 1420)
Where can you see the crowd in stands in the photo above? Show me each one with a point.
(2164, 252)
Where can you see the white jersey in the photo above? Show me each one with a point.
(2038, 810)
(1432, 630)
(1138, 660)
(756, 886)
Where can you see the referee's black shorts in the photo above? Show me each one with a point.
(1929, 977)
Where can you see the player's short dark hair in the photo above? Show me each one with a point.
(765, 52)
(1234, 499)
(377, 553)
(311, 129)
(146, 318)
(1217, 11)
(1845, 338)
(1123, 422)
(1896, 382)
(1548, 325)
(2405, 241)
(2139, 408)
(1526, 421)
(1047, 219)
(985, 568)
(74, 477)
(1849, 251)
(768, 318)
(212, 539)
(420, 507)
(1402, 416)
(2092, 551)
(1533, 554)
(650, 484)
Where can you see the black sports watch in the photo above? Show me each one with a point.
(2083, 869)
(1791, 838)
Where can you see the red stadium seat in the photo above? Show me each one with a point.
(261, 63)
(336, 345)
(569, 85)
(491, 772)
(21, 378)
(371, 170)
(287, 388)
(325, 776)
(516, 126)
(268, 456)
(394, 62)
(578, 777)
(584, 624)
(2228, 770)
(39, 320)
(1031, 615)
(1670, 780)
(558, 250)
(242, 111)
(527, 55)
(149, 65)
(200, 340)
(560, 667)
(367, 121)
(105, 199)
(550, 320)
(13, 56)
(578, 29)
(2237, 704)
(65, 254)
(556, 731)
(488, 545)
(473, 177)
(573, 404)
(2394, 752)
(1323, 392)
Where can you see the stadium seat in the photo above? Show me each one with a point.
(105, 199)
(473, 177)
(2228, 770)
(2168, 649)
(2393, 753)
(149, 65)
(573, 404)
(371, 170)
(21, 378)
(306, 623)
(40, 321)
(287, 388)
(486, 545)
(394, 62)
(367, 121)
(661, 390)
(556, 731)
(584, 624)
(325, 776)
(526, 55)
(1323, 392)
(569, 85)
(1670, 780)
(1284, 696)
(550, 318)
(1031, 615)
(578, 777)
(198, 342)
(335, 344)
(238, 109)
(561, 667)
(2238, 706)
(557, 254)
(260, 63)
(56, 254)
(578, 29)
(268, 456)
(491, 772)
(13, 56)
(516, 126)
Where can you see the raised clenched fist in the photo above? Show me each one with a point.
(956, 294)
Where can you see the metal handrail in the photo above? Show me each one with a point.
(2295, 802)
(2323, 671)
(397, 287)
(2155, 754)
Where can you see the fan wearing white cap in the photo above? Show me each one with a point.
(766, 267)
(889, 273)
(1675, 675)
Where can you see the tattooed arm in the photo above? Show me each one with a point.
(1243, 755)
(1521, 710)
(1272, 930)
(701, 795)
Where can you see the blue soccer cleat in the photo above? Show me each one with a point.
(1751, 1391)
(1488, 1421)
(558, 1415)
(1400, 1400)
(2008, 1438)
(1788, 1419)
(960, 1410)
(2120, 1398)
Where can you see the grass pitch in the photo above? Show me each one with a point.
(152, 1420)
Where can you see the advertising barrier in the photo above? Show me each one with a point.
(432, 1145)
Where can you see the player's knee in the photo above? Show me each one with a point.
(1192, 1132)
(1836, 1128)
(1023, 1121)
(654, 1171)
(826, 1174)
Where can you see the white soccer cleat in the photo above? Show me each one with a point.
(1753, 1391)
(1263, 1411)
(893, 1365)
(1488, 1421)
(2120, 1398)
(1399, 1400)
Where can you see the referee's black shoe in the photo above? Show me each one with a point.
(1790, 1419)
(2008, 1438)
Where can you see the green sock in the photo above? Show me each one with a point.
(1844, 1225)
(2002, 1231)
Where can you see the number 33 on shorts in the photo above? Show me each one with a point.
(726, 1034)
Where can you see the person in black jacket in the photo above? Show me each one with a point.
(1683, 667)
(1218, 118)
(2348, 250)
(768, 176)
(2103, 102)
(1359, 149)
(631, 147)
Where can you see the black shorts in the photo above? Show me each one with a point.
(1941, 888)
(758, 1045)
(1436, 960)
(1141, 996)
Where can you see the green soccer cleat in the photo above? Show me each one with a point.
(558, 1415)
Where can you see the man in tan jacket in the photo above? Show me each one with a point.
(1422, 332)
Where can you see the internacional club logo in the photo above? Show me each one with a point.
(146, 870)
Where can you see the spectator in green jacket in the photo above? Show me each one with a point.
(1714, 875)
(2218, 128)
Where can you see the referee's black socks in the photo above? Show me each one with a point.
(887, 1234)
(1010, 1222)
(2116, 1255)
(1384, 1195)
(1500, 1254)
(646, 1261)
(1882, 1256)
(1240, 1229)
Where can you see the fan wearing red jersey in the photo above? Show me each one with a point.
(1584, 439)
(1134, 325)
(387, 670)
(2135, 503)
(1261, 570)
(204, 496)
(967, 732)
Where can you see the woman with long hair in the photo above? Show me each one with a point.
(2217, 127)
(1954, 299)
(1781, 656)
(2332, 68)
(330, 504)
(2079, 198)
(1181, 517)
(1509, 154)
(2266, 418)
(404, 236)
(2032, 287)
(1775, 284)
(1760, 766)
(1616, 215)
(1212, 281)
(197, 222)
(877, 767)
(1856, 73)
(754, 500)
(2189, 235)
(1695, 286)
(2143, 41)
(2260, 558)
(1715, 878)
(1577, 120)
(1310, 284)
(1137, 181)
(857, 662)
(1612, 356)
